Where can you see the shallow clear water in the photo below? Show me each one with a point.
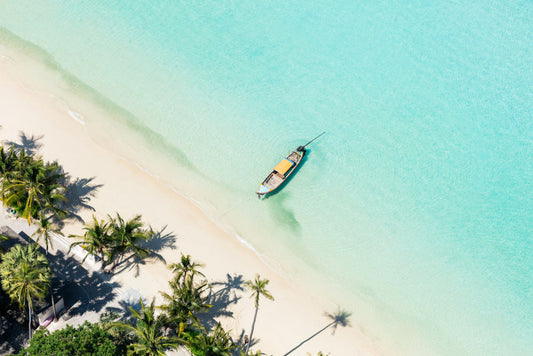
(417, 203)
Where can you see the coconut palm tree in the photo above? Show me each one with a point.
(3, 238)
(258, 289)
(21, 191)
(128, 236)
(25, 276)
(54, 192)
(45, 229)
(215, 343)
(148, 332)
(96, 240)
(8, 160)
(32, 187)
(185, 269)
(187, 300)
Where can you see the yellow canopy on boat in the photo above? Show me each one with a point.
(284, 166)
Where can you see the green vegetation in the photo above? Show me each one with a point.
(87, 339)
(25, 276)
(185, 269)
(45, 228)
(188, 298)
(115, 238)
(128, 236)
(96, 240)
(29, 185)
(148, 333)
(32, 189)
(258, 289)
(3, 238)
(217, 342)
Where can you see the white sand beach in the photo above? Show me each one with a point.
(292, 318)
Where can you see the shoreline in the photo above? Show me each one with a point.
(129, 189)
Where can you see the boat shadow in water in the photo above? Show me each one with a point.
(289, 179)
(284, 216)
(280, 213)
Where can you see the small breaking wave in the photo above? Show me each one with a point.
(76, 116)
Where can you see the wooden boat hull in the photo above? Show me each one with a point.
(281, 172)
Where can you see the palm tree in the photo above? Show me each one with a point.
(96, 240)
(45, 230)
(185, 269)
(258, 289)
(187, 300)
(8, 161)
(53, 191)
(32, 187)
(128, 236)
(148, 332)
(23, 190)
(25, 276)
(3, 238)
(215, 343)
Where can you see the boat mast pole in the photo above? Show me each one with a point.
(303, 147)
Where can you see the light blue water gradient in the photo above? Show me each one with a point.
(418, 201)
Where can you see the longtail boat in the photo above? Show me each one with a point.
(283, 170)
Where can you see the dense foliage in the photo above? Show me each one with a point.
(25, 275)
(30, 186)
(87, 339)
(216, 342)
(148, 332)
(114, 238)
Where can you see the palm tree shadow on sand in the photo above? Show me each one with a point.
(160, 240)
(339, 318)
(222, 295)
(30, 144)
(79, 192)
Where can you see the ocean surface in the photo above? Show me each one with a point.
(414, 211)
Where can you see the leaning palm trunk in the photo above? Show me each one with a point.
(252, 331)
(115, 262)
(29, 320)
(53, 304)
(52, 292)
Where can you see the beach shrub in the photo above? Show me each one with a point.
(87, 339)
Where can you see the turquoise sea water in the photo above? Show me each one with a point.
(418, 203)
